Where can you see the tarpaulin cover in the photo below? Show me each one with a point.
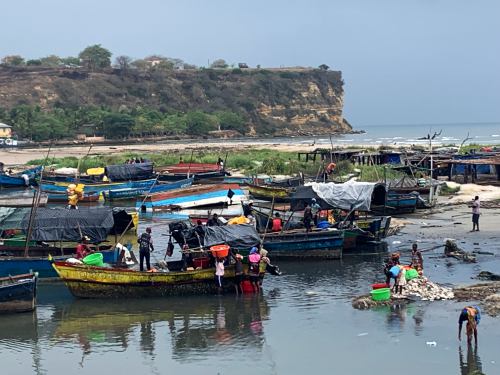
(350, 195)
(61, 224)
(126, 172)
(237, 236)
(123, 220)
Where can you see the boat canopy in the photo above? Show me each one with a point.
(239, 236)
(126, 172)
(61, 224)
(349, 195)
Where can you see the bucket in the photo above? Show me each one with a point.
(220, 251)
(246, 286)
(379, 286)
(201, 262)
(411, 274)
(382, 294)
(94, 259)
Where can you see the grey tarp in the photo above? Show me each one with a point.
(351, 194)
(126, 172)
(236, 236)
(61, 224)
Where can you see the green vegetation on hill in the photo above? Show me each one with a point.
(54, 97)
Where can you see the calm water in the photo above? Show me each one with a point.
(303, 323)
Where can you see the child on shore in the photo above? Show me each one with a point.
(400, 281)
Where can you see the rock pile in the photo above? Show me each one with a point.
(426, 290)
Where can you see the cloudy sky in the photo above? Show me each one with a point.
(403, 61)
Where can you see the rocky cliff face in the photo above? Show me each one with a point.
(273, 101)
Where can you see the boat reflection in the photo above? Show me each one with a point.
(196, 326)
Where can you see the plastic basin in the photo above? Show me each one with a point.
(382, 294)
(220, 251)
(411, 274)
(95, 259)
(379, 286)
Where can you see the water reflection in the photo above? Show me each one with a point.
(197, 327)
(472, 365)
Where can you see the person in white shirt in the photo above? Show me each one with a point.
(475, 214)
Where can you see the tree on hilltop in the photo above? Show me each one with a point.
(123, 62)
(95, 57)
(219, 64)
(13, 60)
(324, 67)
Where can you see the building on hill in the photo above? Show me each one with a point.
(5, 130)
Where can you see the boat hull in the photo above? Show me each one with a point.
(132, 193)
(97, 282)
(18, 293)
(314, 245)
(279, 194)
(192, 197)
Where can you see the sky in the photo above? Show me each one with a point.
(403, 61)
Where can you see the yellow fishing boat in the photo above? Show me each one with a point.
(102, 282)
(280, 194)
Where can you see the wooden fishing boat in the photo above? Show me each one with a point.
(22, 201)
(397, 203)
(24, 178)
(98, 282)
(195, 196)
(198, 176)
(131, 193)
(184, 168)
(295, 244)
(18, 293)
(266, 192)
(61, 187)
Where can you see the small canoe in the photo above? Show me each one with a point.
(24, 178)
(99, 188)
(18, 293)
(98, 282)
(192, 168)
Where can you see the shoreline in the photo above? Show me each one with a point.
(20, 156)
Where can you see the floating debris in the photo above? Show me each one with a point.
(451, 249)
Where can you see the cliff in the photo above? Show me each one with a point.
(290, 101)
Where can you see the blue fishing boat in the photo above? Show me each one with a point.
(296, 244)
(25, 178)
(18, 293)
(195, 196)
(401, 203)
(12, 265)
(131, 193)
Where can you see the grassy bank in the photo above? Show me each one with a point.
(249, 162)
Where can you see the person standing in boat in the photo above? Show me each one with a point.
(308, 217)
(277, 223)
(145, 248)
(213, 221)
(83, 249)
(315, 208)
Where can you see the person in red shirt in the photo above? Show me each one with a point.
(277, 223)
(83, 249)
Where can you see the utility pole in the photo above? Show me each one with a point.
(431, 187)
